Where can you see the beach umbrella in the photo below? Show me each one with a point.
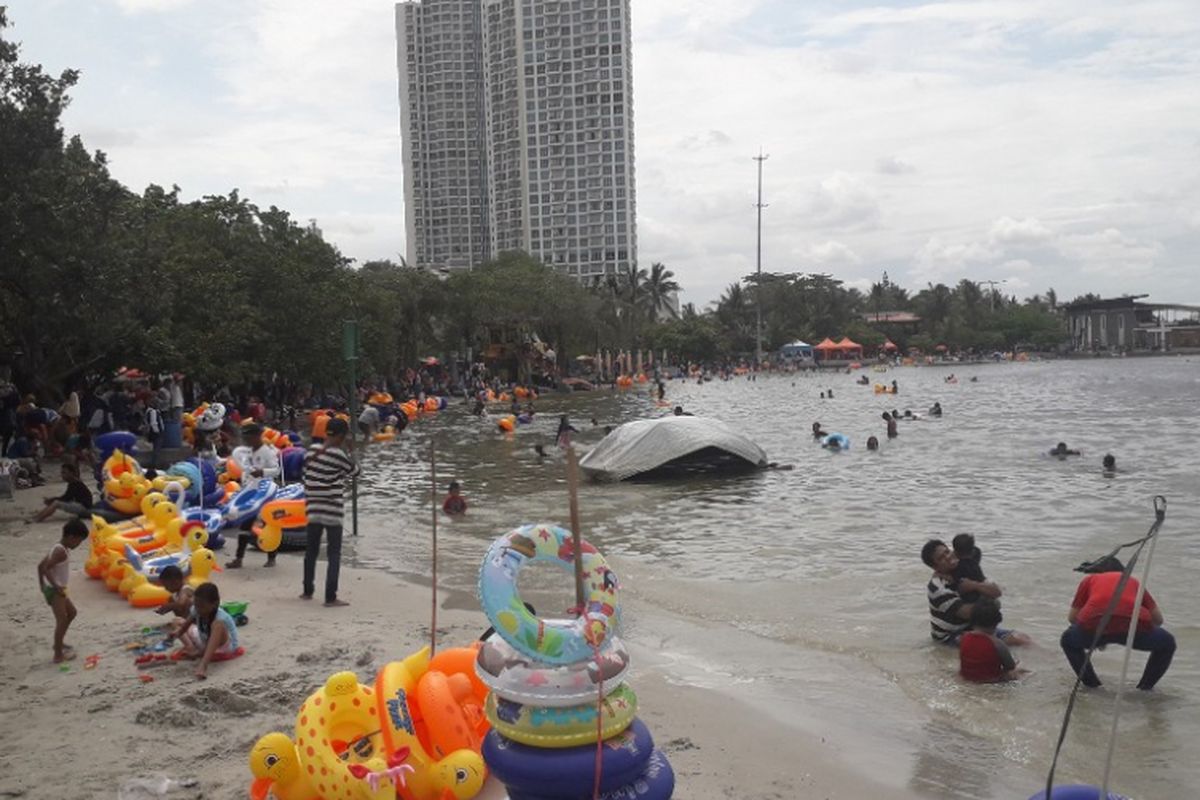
(888, 344)
(941, 348)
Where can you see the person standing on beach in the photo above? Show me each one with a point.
(53, 573)
(327, 467)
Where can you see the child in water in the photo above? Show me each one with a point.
(968, 567)
(982, 656)
(53, 573)
(455, 503)
(209, 633)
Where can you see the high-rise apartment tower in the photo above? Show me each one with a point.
(552, 105)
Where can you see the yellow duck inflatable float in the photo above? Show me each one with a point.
(183, 539)
(357, 742)
(144, 594)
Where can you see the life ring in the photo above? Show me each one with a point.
(837, 441)
(541, 726)
(569, 771)
(574, 641)
(519, 679)
(656, 782)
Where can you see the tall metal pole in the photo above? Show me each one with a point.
(350, 353)
(993, 285)
(758, 352)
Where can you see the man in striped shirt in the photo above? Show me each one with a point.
(327, 467)
(948, 614)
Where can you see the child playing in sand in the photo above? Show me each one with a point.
(53, 573)
(455, 503)
(982, 656)
(968, 567)
(209, 633)
(182, 597)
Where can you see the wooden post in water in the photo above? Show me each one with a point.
(576, 539)
(433, 507)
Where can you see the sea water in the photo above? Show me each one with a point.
(802, 592)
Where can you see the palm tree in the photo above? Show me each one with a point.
(661, 288)
(878, 295)
(936, 303)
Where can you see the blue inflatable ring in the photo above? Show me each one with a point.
(840, 440)
(657, 782)
(1077, 791)
(531, 636)
(569, 771)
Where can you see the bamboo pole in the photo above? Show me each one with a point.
(434, 516)
(576, 538)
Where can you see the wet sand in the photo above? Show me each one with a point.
(81, 733)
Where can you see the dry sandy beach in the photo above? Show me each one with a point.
(81, 733)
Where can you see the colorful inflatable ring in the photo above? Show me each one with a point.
(519, 679)
(507, 424)
(539, 726)
(528, 634)
(276, 516)
(657, 782)
(569, 771)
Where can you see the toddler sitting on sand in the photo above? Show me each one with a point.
(209, 633)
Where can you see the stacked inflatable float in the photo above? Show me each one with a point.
(558, 686)
(414, 733)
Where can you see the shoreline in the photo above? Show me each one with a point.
(84, 732)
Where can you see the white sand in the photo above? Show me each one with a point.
(81, 733)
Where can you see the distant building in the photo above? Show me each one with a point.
(439, 57)
(901, 319)
(517, 118)
(1125, 324)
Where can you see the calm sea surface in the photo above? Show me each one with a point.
(802, 592)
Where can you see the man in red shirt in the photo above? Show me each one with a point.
(1092, 599)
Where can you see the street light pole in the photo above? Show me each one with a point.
(993, 285)
(758, 352)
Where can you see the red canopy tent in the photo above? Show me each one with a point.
(889, 345)
(826, 345)
(847, 344)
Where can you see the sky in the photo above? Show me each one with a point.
(1044, 144)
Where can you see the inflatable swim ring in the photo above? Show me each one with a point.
(542, 726)
(569, 771)
(507, 423)
(656, 782)
(276, 516)
(1078, 792)
(517, 678)
(836, 441)
(556, 644)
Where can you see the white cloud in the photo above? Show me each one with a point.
(891, 165)
(842, 202)
(1028, 231)
(140, 6)
(833, 253)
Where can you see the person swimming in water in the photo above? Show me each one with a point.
(892, 433)
(1110, 462)
(1062, 451)
(935, 410)
(895, 388)
(822, 395)
(872, 443)
(817, 432)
